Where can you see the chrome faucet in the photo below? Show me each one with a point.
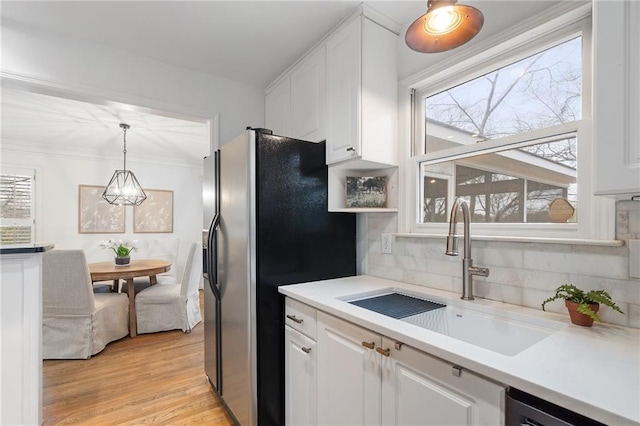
(468, 270)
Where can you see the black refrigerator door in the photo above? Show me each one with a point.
(212, 302)
(298, 240)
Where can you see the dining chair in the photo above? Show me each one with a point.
(76, 322)
(164, 307)
(162, 249)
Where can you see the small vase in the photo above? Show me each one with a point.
(123, 260)
(579, 318)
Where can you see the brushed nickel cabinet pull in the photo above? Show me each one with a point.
(352, 149)
(369, 345)
(306, 350)
(384, 352)
(294, 319)
(398, 345)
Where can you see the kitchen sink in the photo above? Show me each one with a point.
(489, 328)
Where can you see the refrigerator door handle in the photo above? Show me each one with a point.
(212, 259)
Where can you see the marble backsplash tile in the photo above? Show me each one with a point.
(521, 273)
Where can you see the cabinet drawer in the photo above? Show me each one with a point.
(300, 317)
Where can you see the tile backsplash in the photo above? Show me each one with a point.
(521, 273)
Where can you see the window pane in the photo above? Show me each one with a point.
(535, 93)
(512, 186)
(434, 208)
(16, 209)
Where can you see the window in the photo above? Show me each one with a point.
(17, 206)
(537, 92)
(509, 135)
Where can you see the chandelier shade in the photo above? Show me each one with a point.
(123, 188)
(445, 26)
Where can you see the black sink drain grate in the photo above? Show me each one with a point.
(397, 305)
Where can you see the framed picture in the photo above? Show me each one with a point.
(95, 215)
(155, 214)
(366, 191)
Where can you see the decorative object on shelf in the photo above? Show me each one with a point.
(366, 191)
(561, 210)
(445, 26)
(582, 306)
(156, 214)
(95, 215)
(123, 188)
(122, 249)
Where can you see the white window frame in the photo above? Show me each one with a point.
(595, 220)
(31, 221)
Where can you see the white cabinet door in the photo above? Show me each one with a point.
(309, 97)
(362, 92)
(344, 54)
(348, 373)
(300, 379)
(616, 97)
(420, 389)
(277, 107)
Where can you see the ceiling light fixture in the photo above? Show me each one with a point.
(445, 26)
(123, 188)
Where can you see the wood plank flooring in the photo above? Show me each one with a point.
(152, 379)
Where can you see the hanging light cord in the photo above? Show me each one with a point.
(124, 151)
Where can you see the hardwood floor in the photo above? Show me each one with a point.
(152, 379)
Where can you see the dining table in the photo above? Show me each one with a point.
(107, 271)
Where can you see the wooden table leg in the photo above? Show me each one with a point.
(133, 321)
(153, 280)
(116, 285)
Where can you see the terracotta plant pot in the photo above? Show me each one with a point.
(579, 318)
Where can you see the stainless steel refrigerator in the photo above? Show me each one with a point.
(272, 228)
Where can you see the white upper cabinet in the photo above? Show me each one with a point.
(278, 107)
(309, 98)
(296, 105)
(616, 98)
(362, 99)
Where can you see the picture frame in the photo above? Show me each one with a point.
(96, 215)
(155, 214)
(366, 192)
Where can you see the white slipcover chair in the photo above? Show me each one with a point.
(164, 307)
(76, 322)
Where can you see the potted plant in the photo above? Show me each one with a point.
(582, 306)
(122, 249)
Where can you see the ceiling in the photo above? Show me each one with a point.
(224, 38)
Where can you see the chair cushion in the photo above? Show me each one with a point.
(161, 293)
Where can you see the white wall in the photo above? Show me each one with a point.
(58, 175)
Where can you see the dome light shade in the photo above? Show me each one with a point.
(123, 188)
(445, 26)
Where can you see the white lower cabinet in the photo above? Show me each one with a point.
(419, 389)
(363, 378)
(368, 379)
(348, 373)
(301, 381)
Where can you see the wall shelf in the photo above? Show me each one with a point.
(365, 210)
(338, 186)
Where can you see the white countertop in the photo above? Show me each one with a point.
(593, 371)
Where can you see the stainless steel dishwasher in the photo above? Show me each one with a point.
(523, 409)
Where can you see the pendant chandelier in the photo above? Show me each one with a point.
(445, 26)
(123, 188)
